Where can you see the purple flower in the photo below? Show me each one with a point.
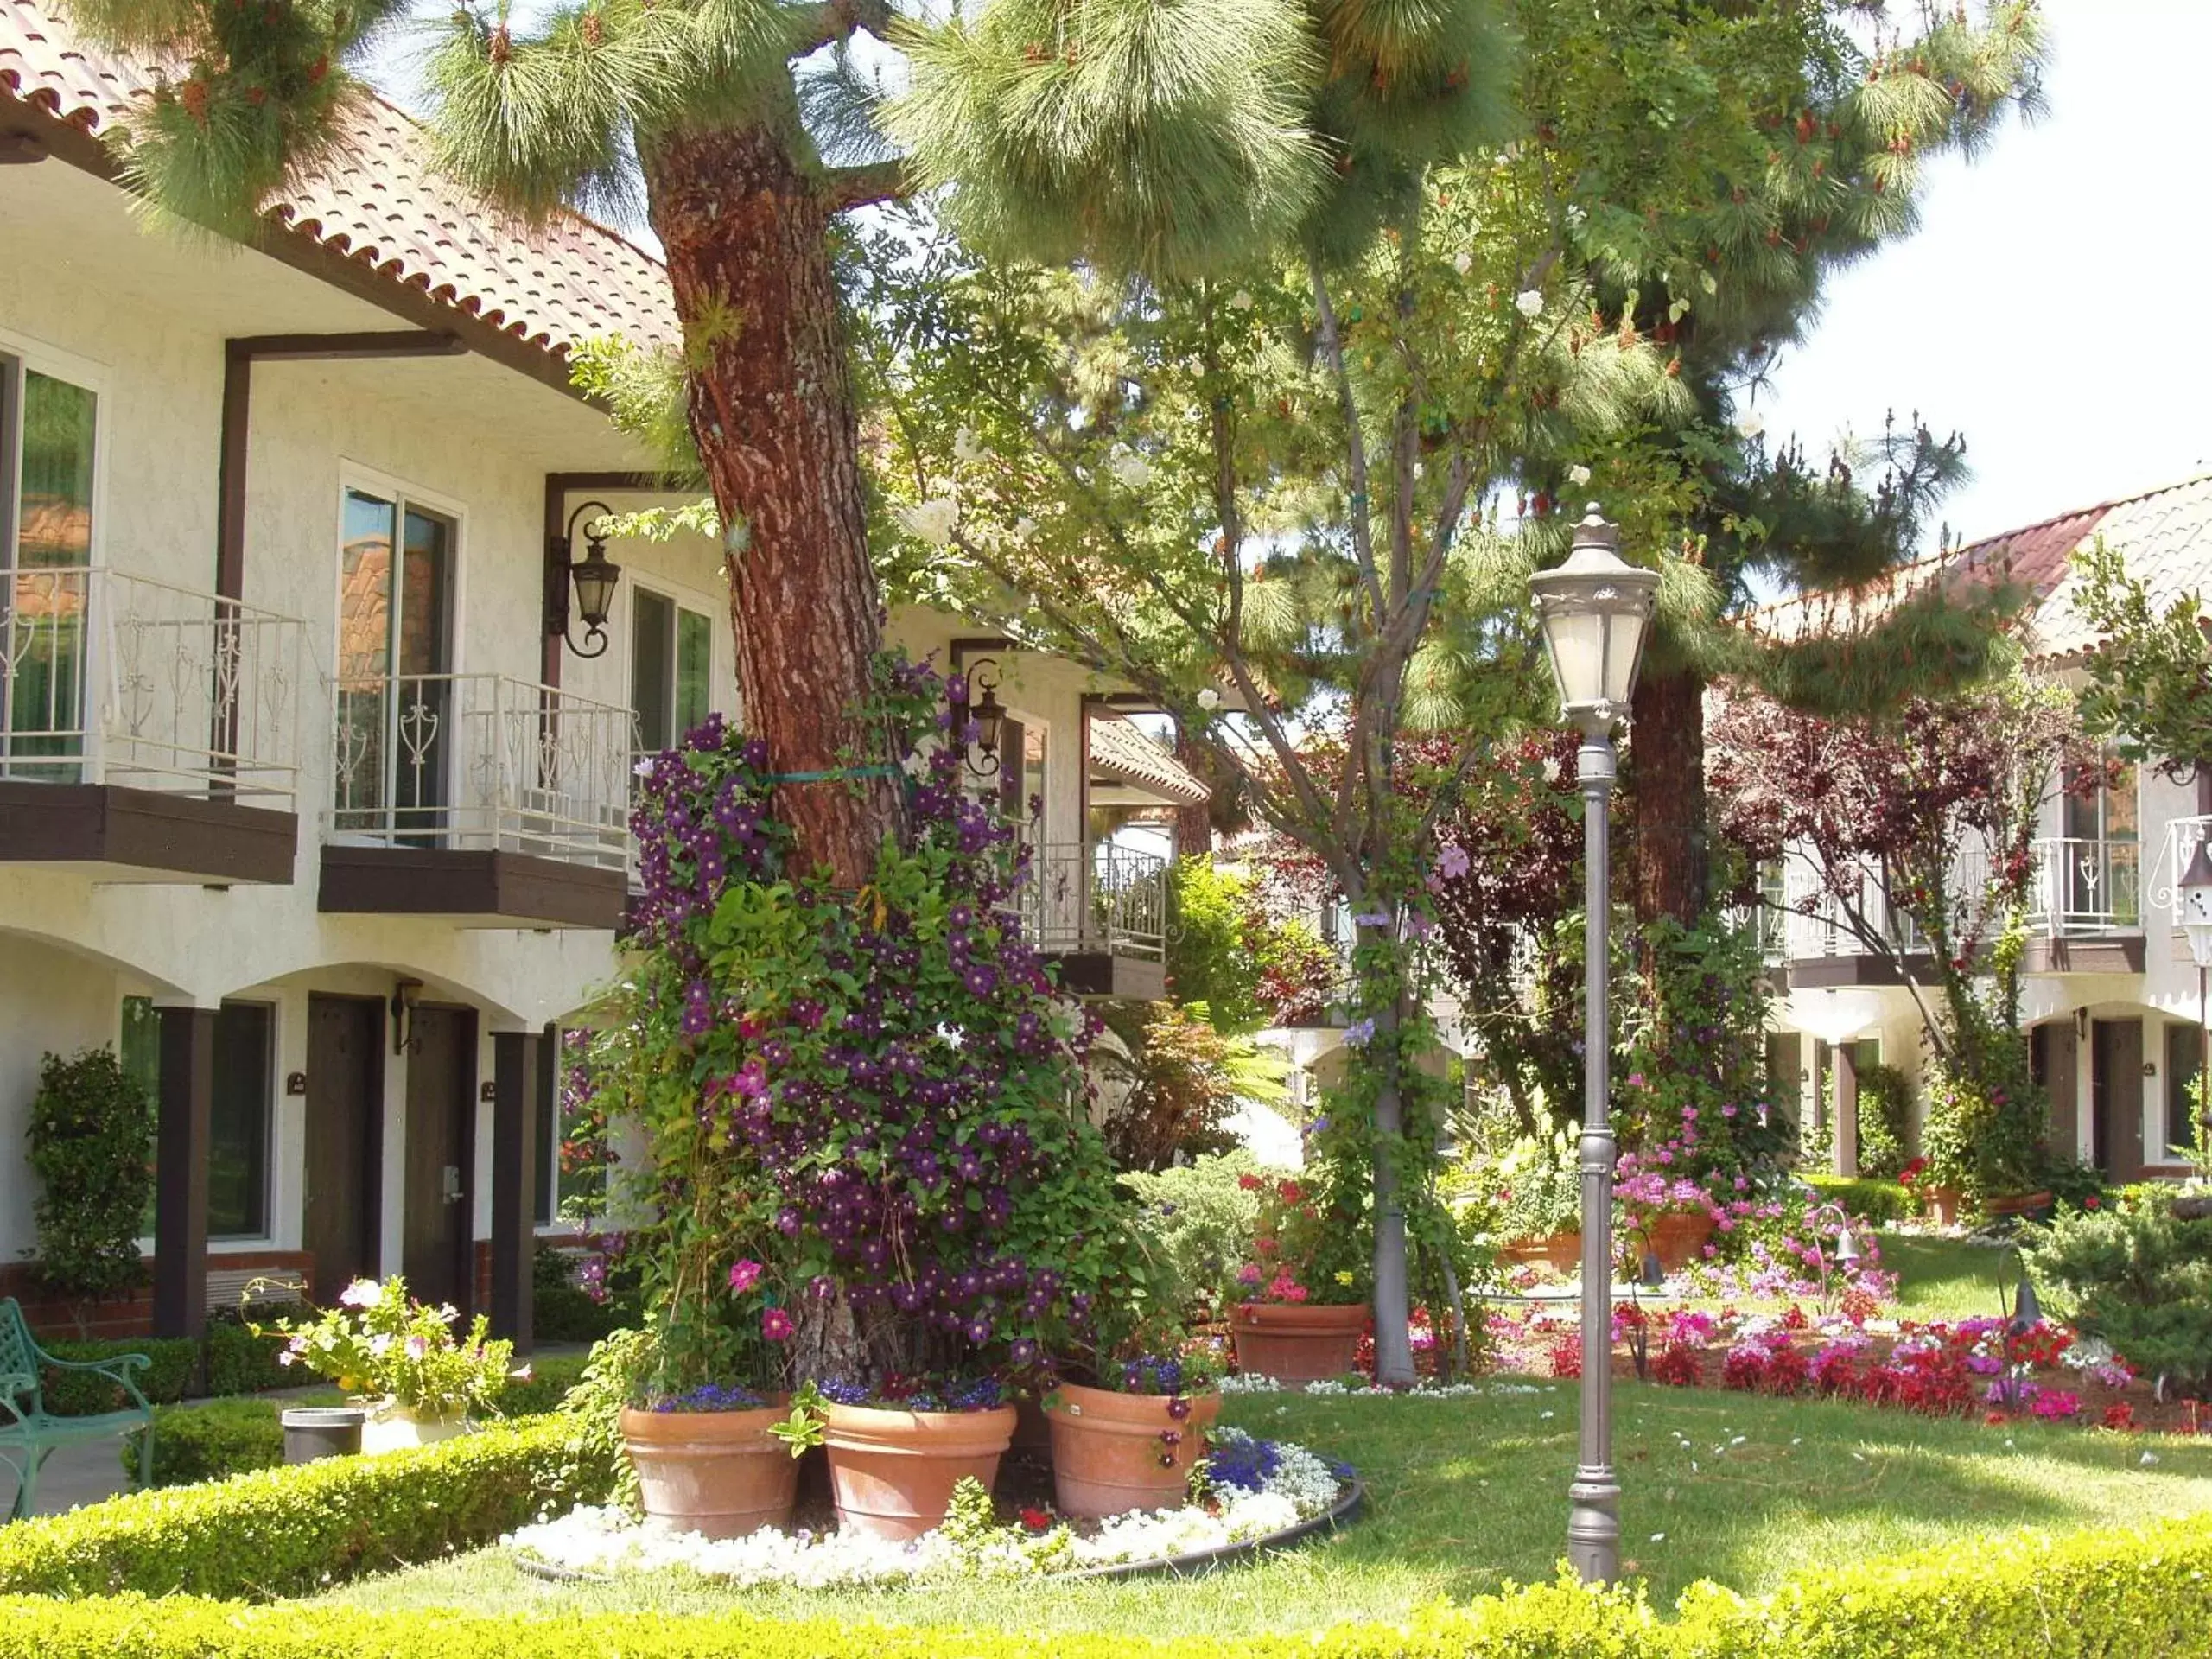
(1359, 1033)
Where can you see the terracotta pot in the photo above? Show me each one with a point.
(2020, 1203)
(392, 1428)
(1562, 1252)
(1942, 1203)
(720, 1474)
(1678, 1237)
(1108, 1453)
(1297, 1342)
(891, 1473)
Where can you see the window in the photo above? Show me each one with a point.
(555, 1184)
(237, 1132)
(671, 667)
(395, 693)
(2184, 1058)
(47, 432)
(2098, 871)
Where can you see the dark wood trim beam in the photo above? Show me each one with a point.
(189, 838)
(485, 889)
(517, 1059)
(1100, 973)
(324, 348)
(185, 1111)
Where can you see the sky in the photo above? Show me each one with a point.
(2044, 309)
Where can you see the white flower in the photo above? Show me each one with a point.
(1209, 699)
(362, 1292)
(1241, 300)
(966, 447)
(932, 520)
(1578, 476)
(1529, 303)
(1750, 424)
(952, 1036)
(1131, 469)
(644, 768)
(1024, 528)
(1463, 262)
(1552, 769)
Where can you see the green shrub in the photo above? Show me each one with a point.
(560, 1311)
(209, 1442)
(2109, 1592)
(239, 1362)
(1880, 1204)
(1200, 1221)
(2139, 1279)
(80, 1394)
(1885, 1120)
(543, 1390)
(290, 1531)
(90, 1131)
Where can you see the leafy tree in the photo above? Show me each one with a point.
(1725, 160)
(2149, 675)
(1188, 1077)
(1228, 950)
(89, 1125)
(1143, 131)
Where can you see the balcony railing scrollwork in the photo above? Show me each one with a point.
(480, 762)
(1099, 897)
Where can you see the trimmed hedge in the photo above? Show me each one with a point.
(2119, 1591)
(80, 1394)
(209, 1442)
(240, 1363)
(290, 1531)
(550, 1380)
(1862, 1197)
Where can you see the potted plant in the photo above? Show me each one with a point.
(1128, 1439)
(1672, 1219)
(1305, 1302)
(401, 1361)
(1539, 1202)
(701, 1423)
(896, 1450)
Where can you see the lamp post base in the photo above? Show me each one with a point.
(1593, 1524)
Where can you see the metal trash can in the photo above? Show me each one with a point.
(312, 1432)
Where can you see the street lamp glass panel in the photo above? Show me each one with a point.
(1595, 609)
(595, 579)
(1577, 642)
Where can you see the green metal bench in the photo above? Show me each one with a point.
(27, 1432)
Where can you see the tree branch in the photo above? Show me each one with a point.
(871, 182)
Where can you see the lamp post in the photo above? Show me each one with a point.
(1595, 609)
(2196, 920)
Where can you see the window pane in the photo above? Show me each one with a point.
(364, 660)
(695, 653)
(55, 523)
(426, 597)
(237, 1148)
(653, 644)
(2184, 1054)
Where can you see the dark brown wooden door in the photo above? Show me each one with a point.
(345, 1155)
(2116, 1097)
(441, 1154)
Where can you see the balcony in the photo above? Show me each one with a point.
(1099, 911)
(480, 799)
(147, 732)
(1802, 930)
(2085, 908)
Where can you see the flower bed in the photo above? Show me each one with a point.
(1254, 1491)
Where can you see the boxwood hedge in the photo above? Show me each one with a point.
(288, 1531)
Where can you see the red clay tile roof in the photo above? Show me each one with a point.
(552, 285)
(1119, 748)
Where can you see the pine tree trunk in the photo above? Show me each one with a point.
(1193, 824)
(746, 238)
(1667, 751)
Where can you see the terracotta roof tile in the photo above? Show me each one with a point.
(1120, 748)
(552, 285)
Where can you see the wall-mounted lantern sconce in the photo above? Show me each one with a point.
(593, 578)
(405, 996)
(990, 716)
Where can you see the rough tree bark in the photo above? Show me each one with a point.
(1667, 752)
(747, 230)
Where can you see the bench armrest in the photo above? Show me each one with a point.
(116, 1368)
(11, 1384)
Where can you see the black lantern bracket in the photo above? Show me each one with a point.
(592, 580)
(989, 714)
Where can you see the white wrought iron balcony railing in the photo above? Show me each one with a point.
(2086, 887)
(480, 762)
(1096, 896)
(2178, 847)
(1812, 922)
(108, 678)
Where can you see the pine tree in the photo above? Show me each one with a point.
(1169, 133)
(1729, 160)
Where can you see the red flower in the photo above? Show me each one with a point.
(2120, 1416)
(1037, 1520)
(2093, 1202)
(776, 1325)
(1250, 1183)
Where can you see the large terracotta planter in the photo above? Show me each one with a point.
(1678, 1237)
(891, 1473)
(1943, 1202)
(1111, 1453)
(2020, 1203)
(389, 1426)
(1297, 1342)
(1562, 1252)
(720, 1474)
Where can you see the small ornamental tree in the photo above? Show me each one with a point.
(866, 1151)
(1916, 834)
(90, 1127)
(2150, 672)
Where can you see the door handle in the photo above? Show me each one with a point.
(453, 1183)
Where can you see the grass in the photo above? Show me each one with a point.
(1467, 1494)
(1940, 1278)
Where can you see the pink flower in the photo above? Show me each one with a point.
(743, 1275)
(776, 1325)
(362, 1292)
(417, 1347)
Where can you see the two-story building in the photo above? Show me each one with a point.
(2111, 989)
(315, 758)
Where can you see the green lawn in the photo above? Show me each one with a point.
(1467, 1494)
(1949, 1278)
